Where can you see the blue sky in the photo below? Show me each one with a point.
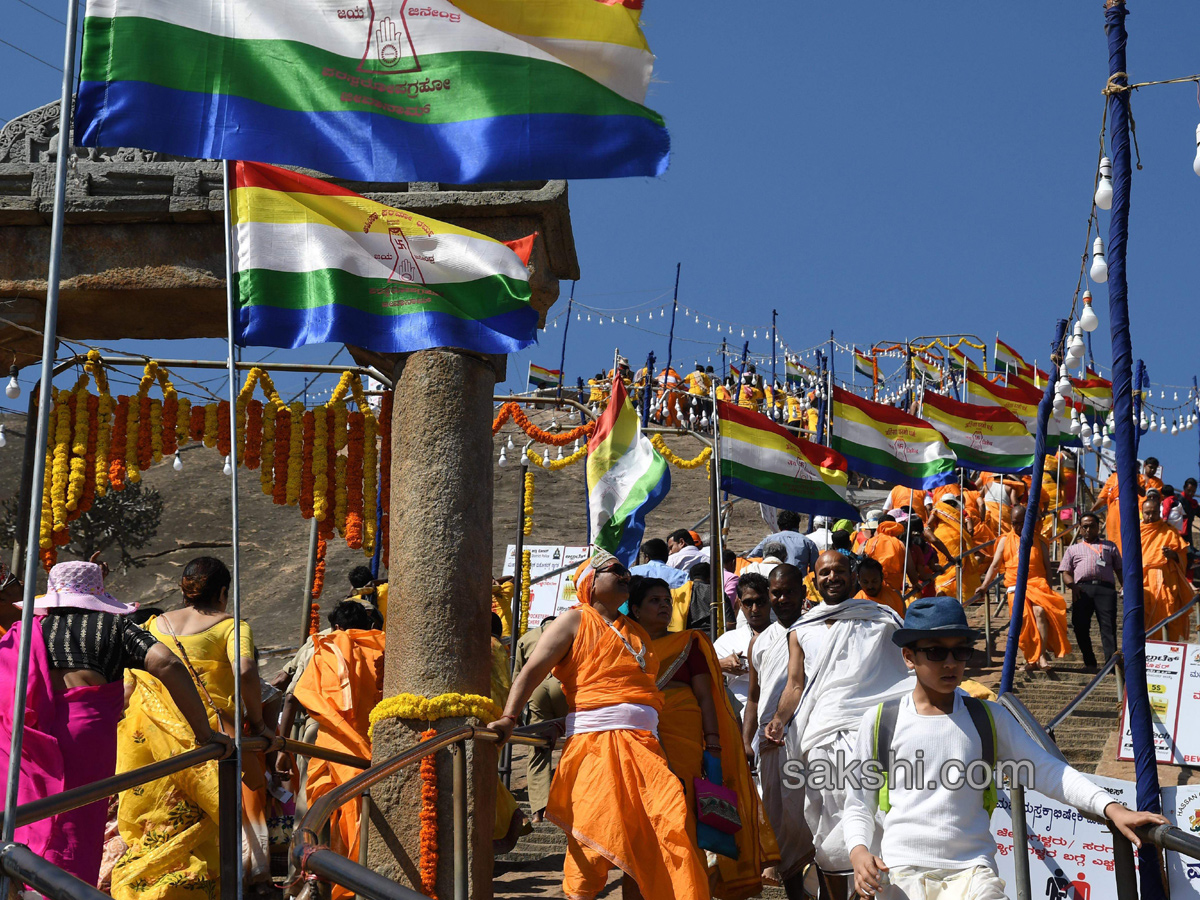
(882, 170)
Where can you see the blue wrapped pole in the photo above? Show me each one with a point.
(1141, 382)
(648, 390)
(1133, 635)
(1029, 528)
(823, 403)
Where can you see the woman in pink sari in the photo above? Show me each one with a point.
(82, 643)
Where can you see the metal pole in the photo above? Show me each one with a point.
(26, 481)
(562, 359)
(229, 825)
(518, 580)
(648, 389)
(724, 363)
(674, 308)
(461, 882)
(717, 613)
(49, 340)
(310, 577)
(235, 587)
(364, 827)
(774, 344)
(958, 575)
(1020, 831)
(1133, 642)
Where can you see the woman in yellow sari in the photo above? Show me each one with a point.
(697, 720)
(170, 825)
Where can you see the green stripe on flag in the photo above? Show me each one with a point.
(883, 458)
(780, 484)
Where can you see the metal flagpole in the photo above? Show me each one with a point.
(236, 589)
(674, 309)
(562, 359)
(961, 568)
(1133, 641)
(724, 366)
(774, 344)
(45, 399)
(716, 568)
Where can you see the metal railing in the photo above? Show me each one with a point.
(310, 844)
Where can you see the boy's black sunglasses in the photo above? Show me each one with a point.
(939, 654)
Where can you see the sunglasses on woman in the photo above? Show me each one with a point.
(614, 569)
(939, 654)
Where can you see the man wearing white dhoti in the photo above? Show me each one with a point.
(841, 662)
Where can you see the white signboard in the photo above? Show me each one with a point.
(1165, 678)
(1070, 857)
(1187, 728)
(1181, 806)
(552, 595)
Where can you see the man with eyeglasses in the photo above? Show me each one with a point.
(936, 822)
(1091, 569)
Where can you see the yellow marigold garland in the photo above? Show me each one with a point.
(339, 495)
(555, 464)
(104, 414)
(526, 582)
(61, 464)
(295, 462)
(341, 416)
(156, 431)
(267, 469)
(443, 706)
(78, 457)
(669, 455)
(528, 503)
(370, 482)
(211, 424)
(181, 421)
(320, 464)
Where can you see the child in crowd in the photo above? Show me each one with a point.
(937, 841)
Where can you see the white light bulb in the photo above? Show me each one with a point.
(1106, 443)
(13, 389)
(509, 445)
(177, 465)
(554, 423)
(575, 446)
(560, 453)
(1143, 424)
(228, 470)
(1088, 318)
(1099, 271)
(1174, 428)
(1196, 161)
(3, 439)
(1077, 347)
(1162, 428)
(503, 460)
(1059, 404)
(1104, 190)
(1074, 426)
(1097, 440)
(1085, 430)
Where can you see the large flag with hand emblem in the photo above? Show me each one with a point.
(888, 443)
(377, 90)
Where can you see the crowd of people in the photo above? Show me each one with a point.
(687, 760)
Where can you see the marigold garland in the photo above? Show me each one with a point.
(385, 472)
(156, 433)
(78, 456)
(354, 481)
(61, 464)
(320, 463)
(314, 619)
(307, 479)
(104, 414)
(554, 465)
(528, 503)
(340, 417)
(526, 582)
(145, 449)
(46, 530)
(428, 858)
(91, 405)
(196, 418)
(318, 584)
(668, 454)
(116, 468)
(168, 440)
(267, 474)
(513, 410)
(224, 440)
(183, 421)
(254, 433)
(240, 434)
(283, 444)
(370, 482)
(211, 425)
(295, 451)
(339, 494)
(443, 706)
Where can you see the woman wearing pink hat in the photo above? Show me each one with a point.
(82, 644)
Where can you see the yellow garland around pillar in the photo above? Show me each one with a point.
(443, 706)
(526, 581)
(528, 503)
(669, 455)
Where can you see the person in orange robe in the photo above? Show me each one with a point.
(1109, 497)
(887, 548)
(340, 687)
(669, 382)
(613, 793)
(1044, 626)
(1165, 586)
(902, 496)
(871, 586)
(944, 524)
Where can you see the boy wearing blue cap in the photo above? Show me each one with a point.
(937, 839)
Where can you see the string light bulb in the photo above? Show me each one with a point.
(177, 465)
(13, 389)
(1162, 426)
(1099, 271)
(509, 445)
(503, 460)
(1174, 427)
(228, 470)
(1104, 190)
(1074, 427)
(3, 439)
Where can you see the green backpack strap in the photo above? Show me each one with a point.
(885, 729)
(981, 716)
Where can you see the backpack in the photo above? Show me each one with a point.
(885, 728)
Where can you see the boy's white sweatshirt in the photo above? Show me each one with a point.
(940, 827)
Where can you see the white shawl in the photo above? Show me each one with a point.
(771, 664)
(859, 667)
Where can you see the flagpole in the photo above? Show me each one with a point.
(774, 344)
(717, 614)
(562, 359)
(961, 567)
(235, 587)
(45, 399)
(671, 332)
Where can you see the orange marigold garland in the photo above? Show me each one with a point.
(339, 494)
(295, 459)
(354, 482)
(283, 443)
(314, 619)
(169, 436)
(224, 445)
(370, 482)
(267, 474)
(513, 410)
(318, 584)
(385, 472)
(306, 470)
(196, 417)
(116, 467)
(428, 818)
(254, 433)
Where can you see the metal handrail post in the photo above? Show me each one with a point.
(1020, 841)
(461, 881)
(364, 827)
(1124, 869)
(229, 824)
(26, 867)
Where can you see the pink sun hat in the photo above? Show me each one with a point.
(79, 585)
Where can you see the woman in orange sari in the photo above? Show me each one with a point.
(1044, 627)
(613, 793)
(697, 720)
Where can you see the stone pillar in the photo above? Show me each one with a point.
(439, 603)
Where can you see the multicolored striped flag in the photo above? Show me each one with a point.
(626, 478)
(888, 443)
(1007, 355)
(796, 372)
(924, 366)
(735, 372)
(386, 90)
(865, 364)
(984, 438)
(1017, 397)
(1095, 392)
(314, 262)
(956, 359)
(764, 462)
(540, 376)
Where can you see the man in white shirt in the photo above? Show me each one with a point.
(821, 535)
(684, 552)
(754, 595)
(937, 840)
